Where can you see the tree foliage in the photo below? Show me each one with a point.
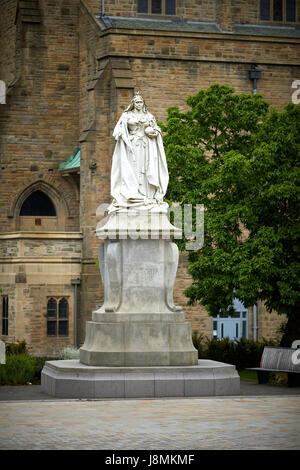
(239, 158)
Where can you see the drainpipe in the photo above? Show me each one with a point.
(75, 283)
(255, 327)
(254, 74)
(103, 8)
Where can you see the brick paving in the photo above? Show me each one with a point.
(244, 422)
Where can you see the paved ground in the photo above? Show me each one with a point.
(33, 392)
(37, 421)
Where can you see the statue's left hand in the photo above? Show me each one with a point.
(153, 134)
(150, 132)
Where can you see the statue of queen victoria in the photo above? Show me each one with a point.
(139, 173)
(138, 342)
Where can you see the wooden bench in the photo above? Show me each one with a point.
(278, 360)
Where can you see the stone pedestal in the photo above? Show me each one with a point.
(72, 379)
(138, 343)
(138, 325)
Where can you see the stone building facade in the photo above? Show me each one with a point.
(70, 67)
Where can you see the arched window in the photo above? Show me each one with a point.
(38, 204)
(57, 317)
(51, 317)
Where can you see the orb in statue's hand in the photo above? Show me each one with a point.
(150, 132)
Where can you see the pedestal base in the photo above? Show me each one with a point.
(138, 343)
(71, 379)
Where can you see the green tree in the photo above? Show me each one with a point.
(240, 158)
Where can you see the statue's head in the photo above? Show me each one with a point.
(137, 102)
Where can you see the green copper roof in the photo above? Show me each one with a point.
(195, 26)
(157, 24)
(72, 163)
(260, 30)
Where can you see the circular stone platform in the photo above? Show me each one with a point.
(72, 379)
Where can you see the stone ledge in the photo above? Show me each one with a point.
(71, 379)
(116, 317)
(47, 235)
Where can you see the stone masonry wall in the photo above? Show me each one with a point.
(39, 123)
(8, 41)
(269, 324)
(33, 270)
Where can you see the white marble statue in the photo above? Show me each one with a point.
(139, 173)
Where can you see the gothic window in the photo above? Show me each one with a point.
(57, 317)
(51, 317)
(63, 313)
(157, 7)
(170, 7)
(143, 6)
(5, 315)
(278, 10)
(291, 10)
(38, 204)
(265, 10)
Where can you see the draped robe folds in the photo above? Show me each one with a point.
(139, 173)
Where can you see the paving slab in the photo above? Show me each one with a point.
(238, 423)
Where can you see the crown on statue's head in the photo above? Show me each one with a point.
(137, 94)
